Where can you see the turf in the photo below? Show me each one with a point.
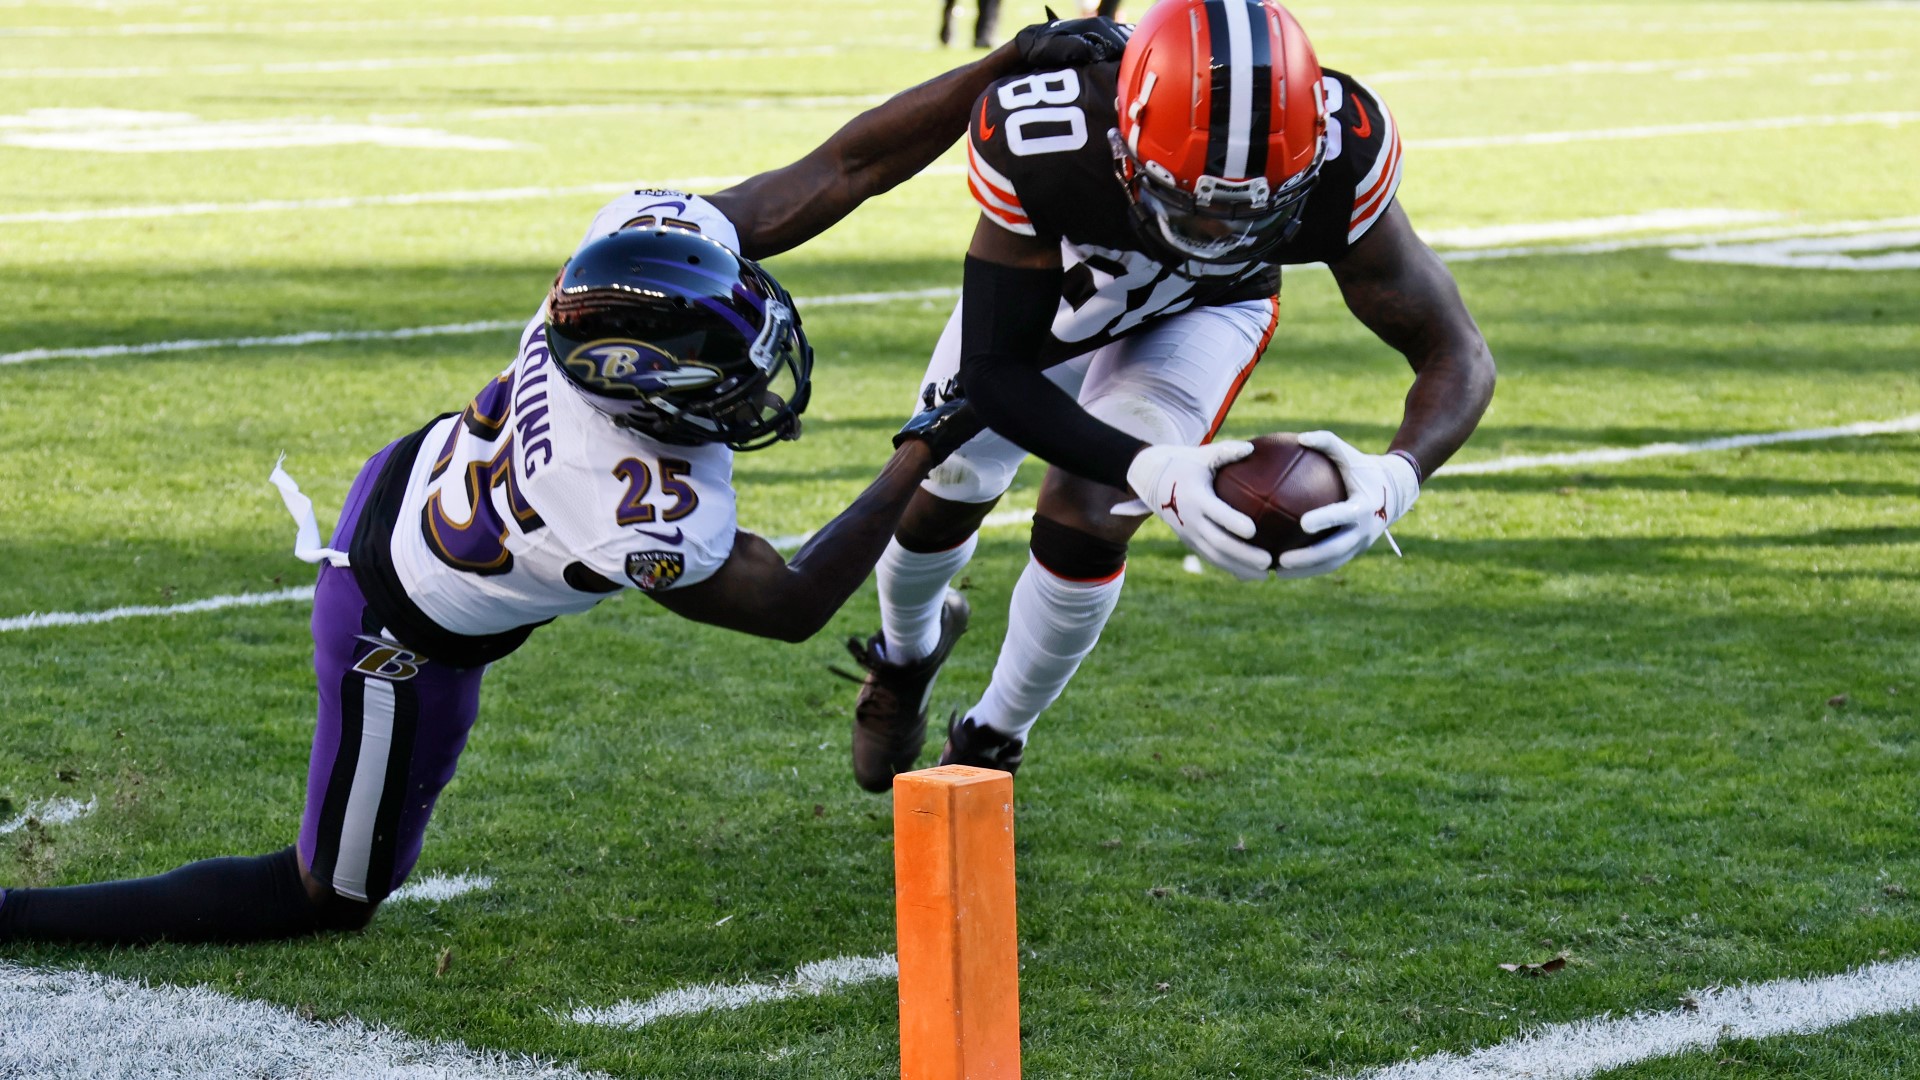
(1656, 716)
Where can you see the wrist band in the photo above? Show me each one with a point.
(1419, 474)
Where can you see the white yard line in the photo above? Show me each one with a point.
(411, 198)
(1448, 239)
(808, 980)
(436, 888)
(1770, 62)
(325, 337)
(1661, 131)
(1755, 1011)
(476, 60)
(49, 812)
(57, 1024)
(1612, 455)
(41, 620)
(1015, 517)
(1586, 228)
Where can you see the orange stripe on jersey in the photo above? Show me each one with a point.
(1273, 323)
(1363, 204)
(1011, 220)
(991, 178)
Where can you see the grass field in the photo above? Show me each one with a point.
(1658, 716)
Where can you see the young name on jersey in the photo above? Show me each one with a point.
(531, 503)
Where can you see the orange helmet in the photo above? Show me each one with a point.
(1223, 127)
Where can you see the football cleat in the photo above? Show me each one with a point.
(890, 716)
(970, 742)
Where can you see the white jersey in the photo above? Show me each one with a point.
(532, 503)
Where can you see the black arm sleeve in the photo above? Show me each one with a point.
(1005, 315)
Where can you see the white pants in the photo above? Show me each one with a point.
(1171, 382)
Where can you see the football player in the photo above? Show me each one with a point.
(1122, 281)
(598, 461)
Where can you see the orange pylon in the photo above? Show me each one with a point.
(959, 947)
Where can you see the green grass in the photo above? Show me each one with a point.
(1282, 831)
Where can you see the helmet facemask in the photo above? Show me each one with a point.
(1220, 221)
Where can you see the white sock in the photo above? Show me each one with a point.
(912, 586)
(1052, 626)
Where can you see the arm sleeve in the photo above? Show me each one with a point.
(1005, 316)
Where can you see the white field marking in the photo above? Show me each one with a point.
(49, 812)
(1683, 65)
(1831, 253)
(413, 198)
(1440, 238)
(322, 337)
(1613, 455)
(546, 24)
(1750, 1011)
(1007, 518)
(127, 131)
(1660, 131)
(1780, 232)
(808, 980)
(1583, 228)
(135, 1030)
(614, 108)
(413, 63)
(40, 620)
(435, 888)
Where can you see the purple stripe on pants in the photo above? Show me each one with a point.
(390, 729)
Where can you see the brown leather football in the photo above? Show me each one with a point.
(1275, 485)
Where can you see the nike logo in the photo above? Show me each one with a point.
(1173, 504)
(673, 537)
(1382, 512)
(1365, 127)
(986, 129)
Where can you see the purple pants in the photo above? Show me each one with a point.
(391, 727)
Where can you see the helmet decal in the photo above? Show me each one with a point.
(623, 368)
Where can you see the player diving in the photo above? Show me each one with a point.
(1122, 281)
(600, 460)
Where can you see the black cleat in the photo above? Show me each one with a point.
(970, 742)
(890, 716)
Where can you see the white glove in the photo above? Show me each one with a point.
(1176, 482)
(1380, 488)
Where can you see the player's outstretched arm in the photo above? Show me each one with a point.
(1397, 286)
(885, 145)
(757, 592)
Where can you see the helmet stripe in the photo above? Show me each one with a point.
(1219, 88)
(1260, 120)
(1239, 60)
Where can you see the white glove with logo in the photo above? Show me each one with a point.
(1380, 488)
(1176, 482)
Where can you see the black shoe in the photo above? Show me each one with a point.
(970, 742)
(890, 716)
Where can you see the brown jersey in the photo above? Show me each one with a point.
(1039, 163)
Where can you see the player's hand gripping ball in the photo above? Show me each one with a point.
(1276, 486)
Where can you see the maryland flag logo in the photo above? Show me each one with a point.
(651, 571)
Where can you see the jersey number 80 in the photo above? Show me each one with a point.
(1042, 117)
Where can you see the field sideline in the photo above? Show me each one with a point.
(1640, 695)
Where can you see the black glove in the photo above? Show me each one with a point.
(1071, 42)
(943, 427)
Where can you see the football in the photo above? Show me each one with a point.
(1275, 485)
